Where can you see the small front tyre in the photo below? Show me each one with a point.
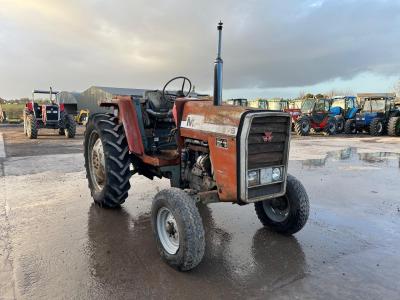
(70, 126)
(376, 127)
(350, 127)
(178, 229)
(287, 214)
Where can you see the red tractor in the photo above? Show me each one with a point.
(49, 115)
(210, 153)
(315, 116)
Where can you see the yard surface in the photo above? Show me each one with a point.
(56, 244)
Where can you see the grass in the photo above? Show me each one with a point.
(13, 112)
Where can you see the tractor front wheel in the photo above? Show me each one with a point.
(339, 124)
(330, 127)
(302, 126)
(287, 214)
(70, 126)
(61, 131)
(31, 126)
(394, 126)
(107, 160)
(350, 127)
(376, 127)
(178, 229)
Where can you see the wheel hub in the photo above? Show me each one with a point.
(277, 209)
(97, 164)
(167, 230)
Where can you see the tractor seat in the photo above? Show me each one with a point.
(157, 106)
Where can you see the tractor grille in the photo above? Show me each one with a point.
(51, 113)
(271, 153)
(267, 146)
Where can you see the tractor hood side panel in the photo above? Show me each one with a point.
(218, 126)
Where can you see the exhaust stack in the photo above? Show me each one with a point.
(218, 70)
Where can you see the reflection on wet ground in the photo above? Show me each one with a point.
(351, 156)
(66, 247)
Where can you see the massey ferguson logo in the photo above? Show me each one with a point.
(267, 137)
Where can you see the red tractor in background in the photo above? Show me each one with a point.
(210, 152)
(315, 117)
(49, 115)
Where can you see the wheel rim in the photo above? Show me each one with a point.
(97, 162)
(379, 127)
(28, 129)
(304, 126)
(167, 230)
(277, 209)
(332, 128)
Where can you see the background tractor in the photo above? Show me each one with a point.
(343, 108)
(315, 116)
(210, 153)
(82, 117)
(378, 116)
(50, 114)
(237, 102)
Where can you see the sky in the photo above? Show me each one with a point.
(271, 48)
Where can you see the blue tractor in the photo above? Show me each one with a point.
(343, 108)
(378, 116)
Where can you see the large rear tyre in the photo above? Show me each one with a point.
(287, 214)
(339, 124)
(107, 160)
(70, 126)
(31, 126)
(330, 127)
(394, 126)
(178, 229)
(302, 126)
(350, 127)
(376, 127)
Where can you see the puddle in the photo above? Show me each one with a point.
(350, 159)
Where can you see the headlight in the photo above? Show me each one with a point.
(276, 174)
(253, 178)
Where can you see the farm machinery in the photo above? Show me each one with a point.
(210, 153)
(48, 115)
(315, 116)
(82, 117)
(344, 109)
(378, 116)
(237, 102)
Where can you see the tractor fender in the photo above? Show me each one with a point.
(336, 110)
(352, 113)
(127, 115)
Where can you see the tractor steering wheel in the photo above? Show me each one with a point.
(180, 93)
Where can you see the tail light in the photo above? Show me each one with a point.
(29, 106)
(62, 107)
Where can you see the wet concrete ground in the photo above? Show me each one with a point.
(55, 244)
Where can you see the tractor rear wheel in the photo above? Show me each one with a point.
(376, 127)
(302, 126)
(107, 160)
(178, 229)
(287, 214)
(339, 124)
(31, 126)
(70, 126)
(330, 127)
(394, 126)
(350, 127)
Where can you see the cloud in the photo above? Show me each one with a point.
(73, 44)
